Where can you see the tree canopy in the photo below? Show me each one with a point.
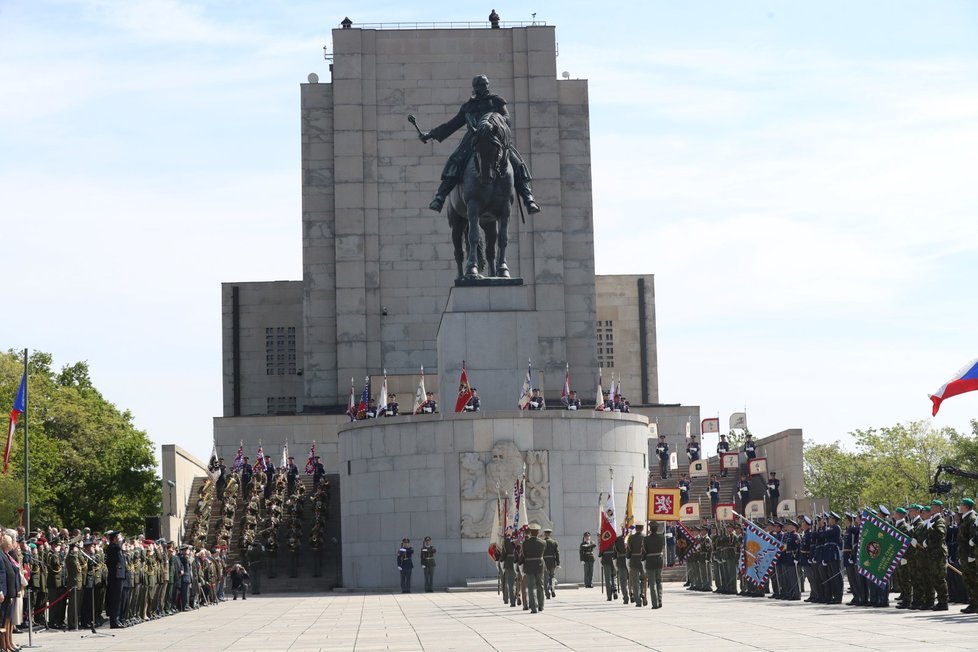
(890, 466)
(89, 464)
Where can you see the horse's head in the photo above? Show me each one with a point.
(491, 146)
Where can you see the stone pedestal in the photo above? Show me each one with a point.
(492, 329)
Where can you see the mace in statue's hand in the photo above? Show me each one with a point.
(425, 137)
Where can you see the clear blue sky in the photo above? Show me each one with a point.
(798, 176)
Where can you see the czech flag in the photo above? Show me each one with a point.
(20, 406)
(966, 380)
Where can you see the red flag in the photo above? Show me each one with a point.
(464, 390)
(608, 534)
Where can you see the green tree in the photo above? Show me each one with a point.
(833, 473)
(89, 464)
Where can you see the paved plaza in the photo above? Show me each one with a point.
(577, 620)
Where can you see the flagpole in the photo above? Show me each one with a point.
(27, 502)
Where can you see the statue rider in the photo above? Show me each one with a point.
(481, 102)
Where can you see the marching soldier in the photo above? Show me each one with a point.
(968, 552)
(636, 568)
(653, 549)
(621, 559)
(509, 568)
(608, 571)
(533, 567)
(551, 558)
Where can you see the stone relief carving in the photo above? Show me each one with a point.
(480, 474)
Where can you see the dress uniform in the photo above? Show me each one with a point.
(551, 560)
(587, 559)
(608, 571)
(653, 549)
(636, 567)
(968, 552)
(509, 569)
(935, 552)
(693, 449)
(662, 450)
(428, 564)
(533, 567)
(621, 559)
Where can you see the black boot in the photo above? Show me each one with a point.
(444, 188)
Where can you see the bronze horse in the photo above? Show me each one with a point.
(484, 199)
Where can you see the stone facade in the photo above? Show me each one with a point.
(419, 476)
(626, 334)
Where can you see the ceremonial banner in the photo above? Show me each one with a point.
(757, 466)
(755, 509)
(609, 520)
(662, 504)
(685, 543)
(464, 390)
(729, 460)
(786, 508)
(881, 547)
(725, 512)
(738, 420)
(689, 512)
(710, 425)
(758, 554)
(673, 461)
(654, 430)
(698, 469)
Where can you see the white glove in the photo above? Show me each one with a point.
(971, 542)
(399, 568)
(913, 542)
(971, 560)
(903, 562)
(925, 543)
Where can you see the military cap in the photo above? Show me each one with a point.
(967, 501)
(901, 511)
(792, 522)
(533, 527)
(917, 506)
(111, 533)
(872, 511)
(639, 526)
(807, 519)
(834, 515)
(777, 523)
(88, 542)
(548, 529)
(938, 502)
(162, 541)
(884, 511)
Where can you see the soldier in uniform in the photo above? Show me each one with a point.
(551, 560)
(54, 560)
(935, 547)
(723, 446)
(636, 567)
(587, 559)
(291, 474)
(653, 549)
(968, 552)
(832, 558)
(246, 473)
(391, 409)
(662, 450)
(91, 570)
(683, 485)
(773, 494)
(621, 559)
(730, 556)
(532, 558)
(75, 582)
(428, 564)
(572, 401)
(509, 568)
(474, 404)
(806, 559)
(693, 449)
(789, 576)
(750, 448)
(115, 560)
(482, 101)
(850, 539)
(743, 491)
(608, 572)
(318, 472)
(537, 402)
(430, 406)
(714, 492)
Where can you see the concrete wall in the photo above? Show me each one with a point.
(618, 303)
(180, 468)
(403, 481)
(275, 305)
(370, 244)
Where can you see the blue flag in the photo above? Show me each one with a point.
(758, 554)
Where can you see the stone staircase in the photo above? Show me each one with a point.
(282, 583)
